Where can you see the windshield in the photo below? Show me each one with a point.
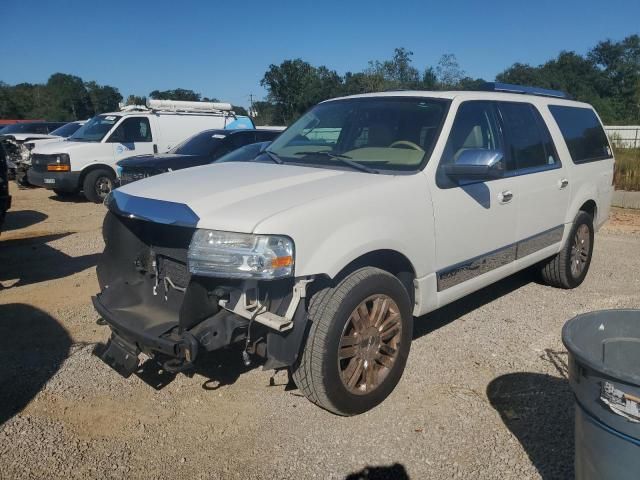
(243, 154)
(95, 129)
(381, 133)
(201, 143)
(66, 130)
(20, 128)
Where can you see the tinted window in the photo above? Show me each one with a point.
(241, 139)
(266, 136)
(582, 132)
(475, 127)
(244, 154)
(24, 128)
(529, 144)
(66, 130)
(383, 133)
(131, 130)
(202, 143)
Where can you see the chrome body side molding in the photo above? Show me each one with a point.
(463, 271)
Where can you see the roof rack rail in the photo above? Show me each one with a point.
(523, 89)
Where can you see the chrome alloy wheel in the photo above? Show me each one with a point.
(580, 250)
(369, 344)
(104, 185)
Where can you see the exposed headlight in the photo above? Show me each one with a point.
(240, 255)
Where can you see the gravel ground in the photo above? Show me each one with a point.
(484, 394)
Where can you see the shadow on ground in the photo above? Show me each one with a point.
(538, 409)
(443, 316)
(69, 198)
(30, 260)
(392, 472)
(17, 219)
(33, 345)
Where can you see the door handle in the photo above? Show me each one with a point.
(155, 148)
(564, 183)
(505, 197)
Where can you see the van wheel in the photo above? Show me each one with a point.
(569, 267)
(358, 342)
(97, 185)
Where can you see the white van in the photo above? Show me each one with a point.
(87, 160)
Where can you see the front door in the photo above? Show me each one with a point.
(132, 137)
(475, 222)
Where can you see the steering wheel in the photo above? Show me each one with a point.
(406, 143)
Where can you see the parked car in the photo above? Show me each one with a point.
(5, 198)
(87, 161)
(27, 142)
(367, 211)
(15, 134)
(201, 149)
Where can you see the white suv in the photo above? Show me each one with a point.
(368, 211)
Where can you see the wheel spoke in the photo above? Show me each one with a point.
(382, 311)
(347, 352)
(356, 372)
(358, 322)
(384, 360)
(364, 314)
(390, 333)
(370, 377)
(390, 322)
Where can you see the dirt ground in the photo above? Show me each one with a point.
(484, 394)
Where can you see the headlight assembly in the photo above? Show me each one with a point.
(240, 255)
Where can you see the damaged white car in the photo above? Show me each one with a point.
(368, 211)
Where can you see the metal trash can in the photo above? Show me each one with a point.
(604, 373)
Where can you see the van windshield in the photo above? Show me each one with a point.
(376, 133)
(95, 129)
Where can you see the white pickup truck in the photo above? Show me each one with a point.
(368, 211)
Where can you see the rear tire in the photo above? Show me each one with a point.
(97, 184)
(358, 342)
(569, 267)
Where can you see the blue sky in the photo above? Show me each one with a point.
(222, 49)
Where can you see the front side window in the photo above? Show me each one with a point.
(529, 140)
(132, 130)
(475, 127)
(582, 132)
(381, 133)
(95, 129)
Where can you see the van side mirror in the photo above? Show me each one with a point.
(476, 164)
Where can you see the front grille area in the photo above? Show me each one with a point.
(129, 175)
(39, 161)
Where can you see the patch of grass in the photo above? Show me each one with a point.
(626, 175)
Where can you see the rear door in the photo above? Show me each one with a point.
(539, 180)
(475, 221)
(132, 137)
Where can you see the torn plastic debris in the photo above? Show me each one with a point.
(621, 403)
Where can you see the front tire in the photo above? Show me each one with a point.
(97, 185)
(358, 342)
(569, 267)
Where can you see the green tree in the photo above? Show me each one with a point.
(103, 98)
(136, 100)
(448, 72)
(176, 94)
(69, 98)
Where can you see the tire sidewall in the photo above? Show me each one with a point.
(346, 402)
(582, 218)
(90, 183)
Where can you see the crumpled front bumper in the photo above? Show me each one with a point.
(129, 339)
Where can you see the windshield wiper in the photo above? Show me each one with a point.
(275, 158)
(345, 159)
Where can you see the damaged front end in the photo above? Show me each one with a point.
(156, 304)
(18, 155)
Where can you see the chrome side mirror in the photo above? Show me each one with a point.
(476, 164)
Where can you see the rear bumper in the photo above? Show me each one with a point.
(65, 181)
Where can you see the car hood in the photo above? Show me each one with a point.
(237, 196)
(164, 161)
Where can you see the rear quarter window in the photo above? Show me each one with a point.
(582, 132)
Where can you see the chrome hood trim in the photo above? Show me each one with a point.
(151, 210)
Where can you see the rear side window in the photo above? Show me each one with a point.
(582, 132)
(530, 144)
